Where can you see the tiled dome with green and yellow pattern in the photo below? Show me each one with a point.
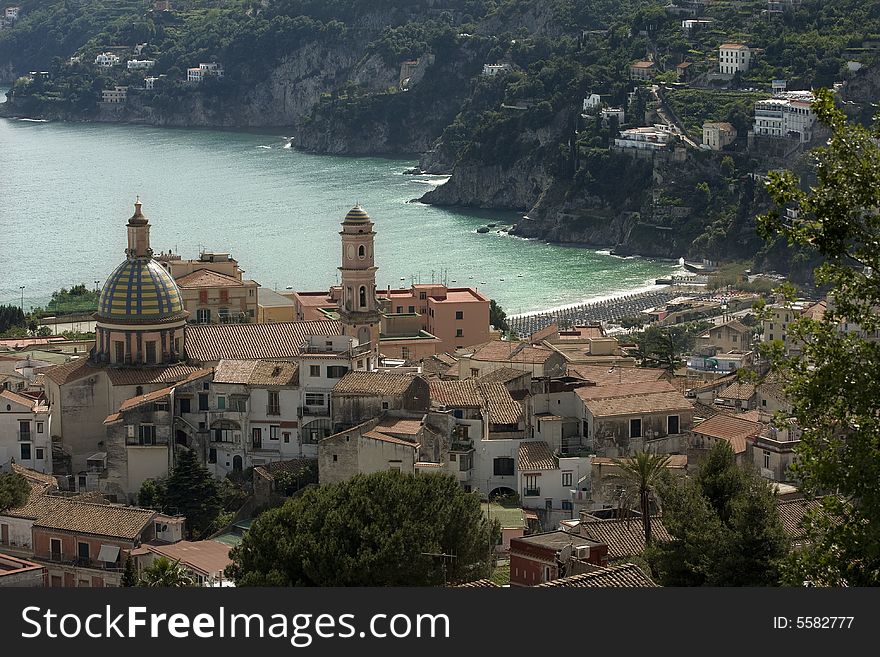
(140, 291)
(357, 215)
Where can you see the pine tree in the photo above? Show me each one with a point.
(192, 492)
(129, 573)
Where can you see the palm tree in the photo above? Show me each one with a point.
(165, 573)
(644, 471)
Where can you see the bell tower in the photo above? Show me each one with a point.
(358, 309)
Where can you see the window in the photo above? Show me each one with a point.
(503, 467)
(203, 401)
(161, 407)
(273, 433)
(404, 352)
(212, 455)
(635, 428)
(40, 454)
(82, 550)
(184, 405)
(400, 309)
(362, 251)
(412, 309)
(151, 351)
(530, 484)
(274, 406)
(314, 370)
(336, 371)
(39, 427)
(763, 402)
(55, 548)
(423, 295)
(222, 435)
(766, 459)
(224, 296)
(25, 451)
(286, 435)
(147, 434)
(459, 333)
(314, 399)
(138, 391)
(566, 505)
(203, 296)
(119, 346)
(24, 430)
(672, 425)
(221, 403)
(459, 314)
(203, 315)
(384, 406)
(363, 297)
(258, 437)
(334, 458)
(566, 479)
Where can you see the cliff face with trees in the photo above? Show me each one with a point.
(405, 77)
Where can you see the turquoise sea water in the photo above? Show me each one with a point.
(66, 191)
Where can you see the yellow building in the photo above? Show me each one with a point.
(212, 297)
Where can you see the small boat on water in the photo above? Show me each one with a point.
(483, 229)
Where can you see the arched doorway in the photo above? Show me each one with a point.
(237, 464)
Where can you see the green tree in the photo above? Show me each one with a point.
(382, 529)
(644, 471)
(165, 573)
(193, 492)
(151, 494)
(834, 384)
(661, 347)
(129, 573)
(725, 527)
(14, 490)
(497, 317)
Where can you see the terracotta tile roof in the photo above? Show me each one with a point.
(581, 332)
(279, 340)
(399, 425)
(773, 385)
(234, 371)
(506, 351)
(123, 376)
(816, 311)
(601, 376)
(446, 359)
(113, 418)
(207, 557)
(626, 575)
(733, 46)
(503, 409)
(791, 512)
(624, 390)
(731, 428)
(385, 438)
(706, 411)
(18, 399)
(626, 537)
(542, 334)
(639, 404)
(156, 395)
(34, 477)
(373, 384)
(720, 382)
(536, 456)
(642, 64)
(274, 373)
(478, 584)
(207, 278)
(75, 369)
(674, 461)
(97, 519)
(457, 394)
(738, 390)
(37, 505)
(504, 375)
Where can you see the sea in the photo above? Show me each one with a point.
(67, 190)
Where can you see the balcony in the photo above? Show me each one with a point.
(66, 560)
(315, 411)
(531, 492)
(273, 409)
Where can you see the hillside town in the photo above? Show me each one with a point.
(191, 357)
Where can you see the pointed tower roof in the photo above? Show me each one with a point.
(138, 218)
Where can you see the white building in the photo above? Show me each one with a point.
(115, 95)
(24, 432)
(788, 114)
(778, 86)
(718, 135)
(106, 60)
(491, 70)
(150, 83)
(197, 74)
(140, 64)
(690, 24)
(11, 13)
(593, 101)
(733, 57)
(655, 138)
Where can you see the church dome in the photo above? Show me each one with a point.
(357, 215)
(140, 291)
